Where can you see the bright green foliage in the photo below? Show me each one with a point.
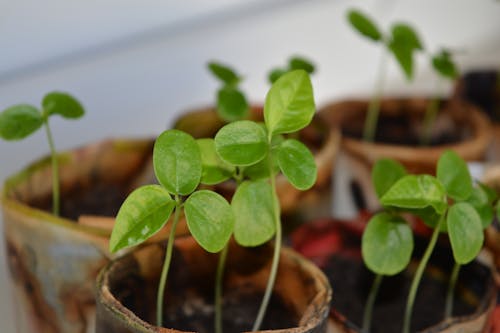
(145, 211)
(387, 244)
(253, 207)
(453, 173)
(294, 63)
(19, 121)
(444, 65)
(177, 162)
(289, 104)
(62, 104)
(241, 143)
(465, 231)
(385, 173)
(297, 164)
(214, 169)
(210, 219)
(403, 43)
(364, 25)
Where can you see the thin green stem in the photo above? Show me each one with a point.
(276, 254)
(55, 170)
(430, 117)
(451, 288)
(166, 264)
(218, 289)
(419, 273)
(367, 317)
(371, 119)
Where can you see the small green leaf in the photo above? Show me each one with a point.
(241, 143)
(385, 173)
(465, 231)
(210, 219)
(62, 104)
(19, 121)
(145, 211)
(214, 169)
(387, 244)
(480, 200)
(275, 74)
(453, 173)
(416, 191)
(404, 57)
(403, 43)
(253, 207)
(260, 170)
(444, 65)
(177, 162)
(231, 104)
(289, 103)
(364, 25)
(224, 73)
(297, 164)
(301, 63)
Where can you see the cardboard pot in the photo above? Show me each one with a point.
(127, 291)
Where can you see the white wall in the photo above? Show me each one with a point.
(137, 65)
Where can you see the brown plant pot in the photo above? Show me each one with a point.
(336, 247)
(53, 261)
(127, 291)
(459, 127)
(320, 138)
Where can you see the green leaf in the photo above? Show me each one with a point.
(177, 162)
(465, 232)
(241, 143)
(453, 173)
(387, 244)
(19, 121)
(385, 173)
(444, 65)
(480, 200)
(214, 169)
(403, 43)
(231, 104)
(62, 104)
(253, 206)
(145, 211)
(224, 73)
(289, 103)
(404, 57)
(275, 74)
(297, 164)
(364, 25)
(301, 63)
(210, 219)
(416, 191)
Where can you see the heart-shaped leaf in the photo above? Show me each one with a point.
(387, 244)
(453, 173)
(297, 164)
(465, 231)
(177, 162)
(19, 121)
(145, 211)
(214, 169)
(444, 65)
(241, 143)
(253, 207)
(385, 173)
(62, 104)
(364, 25)
(210, 219)
(231, 104)
(403, 43)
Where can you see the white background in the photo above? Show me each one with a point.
(137, 65)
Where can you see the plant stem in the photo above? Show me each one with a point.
(451, 288)
(166, 263)
(418, 275)
(430, 116)
(55, 170)
(374, 107)
(367, 317)
(276, 253)
(218, 289)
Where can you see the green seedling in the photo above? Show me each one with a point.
(294, 63)
(19, 121)
(402, 42)
(231, 102)
(449, 203)
(445, 68)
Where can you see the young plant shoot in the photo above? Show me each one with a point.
(449, 203)
(19, 121)
(294, 63)
(231, 102)
(401, 42)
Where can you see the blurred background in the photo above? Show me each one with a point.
(137, 65)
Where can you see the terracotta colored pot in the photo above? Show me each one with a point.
(474, 133)
(53, 261)
(322, 140)
(336, 247)
(127, 291)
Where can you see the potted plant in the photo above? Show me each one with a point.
(394, 127)
(56, 243)
(456, 213)
(252, 154)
